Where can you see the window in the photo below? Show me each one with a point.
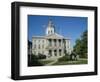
(34, 45)
(51, 31)
(39, 46)
(59, 42)
(48, 32)
(59, 52)
(50, 53)
(38, 40)
(55, 52)
(34, 41)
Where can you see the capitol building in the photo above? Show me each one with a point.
(52, 44)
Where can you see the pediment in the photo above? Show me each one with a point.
(54, 36)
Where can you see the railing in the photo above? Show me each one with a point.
(54, 47)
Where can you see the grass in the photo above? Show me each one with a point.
(61, 61)
(46, 62)
(71, 62)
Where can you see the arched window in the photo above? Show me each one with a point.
(51, 31)
(48, 32)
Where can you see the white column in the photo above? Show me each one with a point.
(57, 43)
(52, 43)
(46, 43)
(61, 43)
(57, 52)
(52, 53)
(62, 53)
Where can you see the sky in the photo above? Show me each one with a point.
(67, 26)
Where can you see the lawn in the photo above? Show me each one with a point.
(81, 61)
(46, 62)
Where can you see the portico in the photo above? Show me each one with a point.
(55, 47)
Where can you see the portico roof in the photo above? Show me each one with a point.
(54, 36)
(51, 36)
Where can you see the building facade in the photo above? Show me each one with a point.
(52, 45)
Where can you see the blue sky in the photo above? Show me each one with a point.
(69, 27)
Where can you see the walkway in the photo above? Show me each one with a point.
(51, 62)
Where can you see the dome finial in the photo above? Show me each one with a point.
(50, 23)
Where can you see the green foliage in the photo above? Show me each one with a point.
(44, 62)
(41, 56)
(71, 62)
(81, 46)
(33, 60)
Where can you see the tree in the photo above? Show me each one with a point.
(77, 47)
(84, 42)
(81, 45)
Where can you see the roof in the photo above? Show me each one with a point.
(51, 36)
(54, 36)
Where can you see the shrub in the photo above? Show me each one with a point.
(84, 55)
(41, 56)
(33, 60)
